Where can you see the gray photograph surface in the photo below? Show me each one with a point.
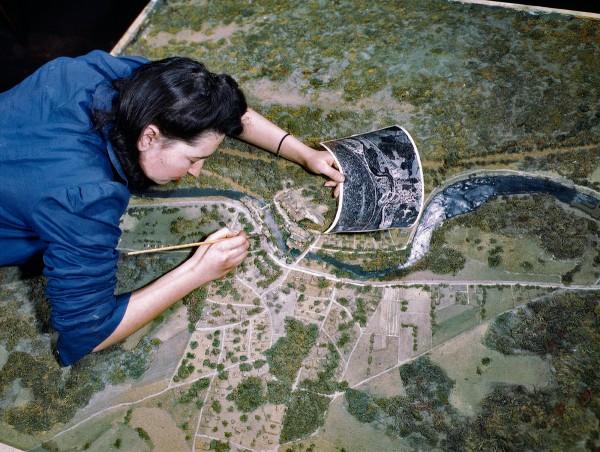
(384, 181)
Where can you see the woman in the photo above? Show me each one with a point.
(74, 138)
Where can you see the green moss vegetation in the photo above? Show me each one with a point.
(305, 413)
(577, 166)
(413, 53)
(444, 260)
(305, 407)
(325, 382)
(137, 271)
(567, 236)
(252, 174)
(566, 328)
(216, 406)
(55, 393)
(133, 363)
(219, 446)
(563, 327)
(369, 260)
(278, 392)
(249, 394)
(361, 405)
(185, 370)
(225, 288)
(424, 415)
(142, 433)
(15, 328)
(286, 355)
(194, 301)
(194, 230)
(194, 391)
(268, 269)
(495, 256)
(424, 380)
(55, 397)
(552, 324)
(359, 314)
(245, 367)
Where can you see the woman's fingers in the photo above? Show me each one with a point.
(221, 234)
(332, 173)
(336, 191)
(336, 187)
(217, 235)
(322, 162)
(236, 257)
(218, 259)
(234, 247)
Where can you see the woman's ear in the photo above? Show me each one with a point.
(149, 138)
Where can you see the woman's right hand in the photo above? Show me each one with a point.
(208, 263)
(214, 261)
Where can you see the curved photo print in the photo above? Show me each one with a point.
(384, 181)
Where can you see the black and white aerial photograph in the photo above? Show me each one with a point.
(384, 181)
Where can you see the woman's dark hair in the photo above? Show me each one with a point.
(182, 98)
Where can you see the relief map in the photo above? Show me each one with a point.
(475, 326)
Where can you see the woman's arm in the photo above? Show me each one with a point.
(262, 133)
(207, 264)
(215, 261)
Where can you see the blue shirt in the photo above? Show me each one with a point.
(62, 193)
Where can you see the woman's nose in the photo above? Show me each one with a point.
(196, 168)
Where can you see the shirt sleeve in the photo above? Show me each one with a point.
(80, 224)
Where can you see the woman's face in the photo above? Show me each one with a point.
(164, 160)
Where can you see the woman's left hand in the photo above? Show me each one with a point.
(322, 162)
(262, 133)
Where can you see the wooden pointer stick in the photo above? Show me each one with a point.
(177, 247)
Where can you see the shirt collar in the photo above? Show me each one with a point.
(102, 101)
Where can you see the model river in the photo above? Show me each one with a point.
(457, 199)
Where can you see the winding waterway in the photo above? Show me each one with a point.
(196, 192)
(467, 195)
(457, 199)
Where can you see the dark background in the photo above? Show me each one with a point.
(33, 32)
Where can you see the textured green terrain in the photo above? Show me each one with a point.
(291, 352)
